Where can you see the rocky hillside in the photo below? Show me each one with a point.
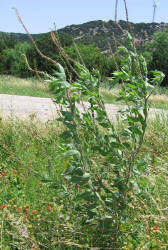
(101, 33)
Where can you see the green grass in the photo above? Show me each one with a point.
(24, 87)
(159, 100)
(36, 204)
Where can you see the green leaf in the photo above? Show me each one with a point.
(70, 170)
(131, 86)
(80, 179)
(68, 115)
(72, 153)
(86, 196)
(65, 84)
(66, 134)
(86, 176)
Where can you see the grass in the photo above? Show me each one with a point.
(28, 87)
(158, 100)
(36, 204)
(24, 87)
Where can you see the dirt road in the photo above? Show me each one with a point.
(44, 108)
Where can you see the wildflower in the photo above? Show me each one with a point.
(48, 208)
(156, 228)
(150, 230)
(25, 216)
(24, 211)
(18, 209)
(3, 173)
(34, 211)
(29, 226)
(3, 206)
(14, 171)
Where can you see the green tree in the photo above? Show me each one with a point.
(48, 48)
(92, 58)
(156, 53)
(13, 62)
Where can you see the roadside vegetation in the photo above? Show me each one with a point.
(85, 181)
(37, 208)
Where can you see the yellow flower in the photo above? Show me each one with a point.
(158, 200)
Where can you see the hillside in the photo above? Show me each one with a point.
(100, 32)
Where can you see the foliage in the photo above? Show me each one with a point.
(102, 188)
(46, 45)
(156, 52)
(92, 58)
(37, 208)
(13, 62)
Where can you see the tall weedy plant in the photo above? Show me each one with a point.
(104, 163)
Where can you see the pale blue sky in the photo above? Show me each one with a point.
(39, 15)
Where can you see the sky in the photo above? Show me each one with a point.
(40, 15)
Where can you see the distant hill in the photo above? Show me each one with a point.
(18, 36)
(101, 33)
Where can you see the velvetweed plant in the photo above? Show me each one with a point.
(102, 186)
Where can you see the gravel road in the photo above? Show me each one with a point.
(44, 108)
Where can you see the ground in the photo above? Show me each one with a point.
(45, 109)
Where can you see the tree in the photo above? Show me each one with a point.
(156, 53)
(92, 58)
(13, 62)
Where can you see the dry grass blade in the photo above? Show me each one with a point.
(63, 54)
(31, 38)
